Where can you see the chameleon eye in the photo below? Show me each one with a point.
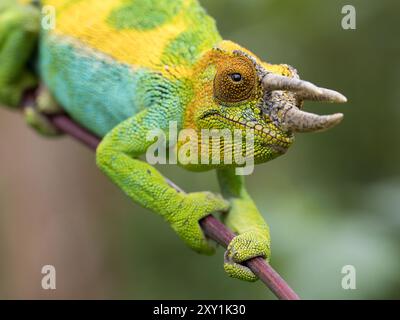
(235, 80)
(236, 77)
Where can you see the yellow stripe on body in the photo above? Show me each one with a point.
(87, 21)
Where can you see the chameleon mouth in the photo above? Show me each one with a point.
(279, 142)
(278, 148)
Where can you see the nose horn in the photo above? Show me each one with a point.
(296, 120)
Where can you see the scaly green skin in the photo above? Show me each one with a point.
(18, 36)
(126, 87)
(245, 220)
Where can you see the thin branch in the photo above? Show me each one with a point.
(212, 227)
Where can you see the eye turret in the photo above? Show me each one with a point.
(235, 80)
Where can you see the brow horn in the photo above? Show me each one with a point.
(304, 90)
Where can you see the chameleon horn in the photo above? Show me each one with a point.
(304, 90)
(296, 120)
(326, 95)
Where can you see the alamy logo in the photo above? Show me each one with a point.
(349, 20)
(48, 18)
(349, 280)
(207, 147)
(49, 278)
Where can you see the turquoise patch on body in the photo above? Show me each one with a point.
(144, 14)
(94, 89)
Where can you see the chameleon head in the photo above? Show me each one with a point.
(236, 90)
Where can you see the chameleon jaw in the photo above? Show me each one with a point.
(270, 138)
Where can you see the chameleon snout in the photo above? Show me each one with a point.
(283, 100)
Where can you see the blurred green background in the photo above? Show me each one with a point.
(332, 200)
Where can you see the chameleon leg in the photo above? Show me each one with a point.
(19, 29)
(245, 220)
(35, 113)
(117, 157)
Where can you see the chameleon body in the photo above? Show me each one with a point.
(122, 68)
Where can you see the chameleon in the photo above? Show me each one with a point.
(121, 68)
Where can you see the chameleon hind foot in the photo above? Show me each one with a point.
(19, 29)
(243, 247)
(11, 94)
(252, 240)
(37, 111)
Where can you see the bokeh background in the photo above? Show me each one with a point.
(332, 200)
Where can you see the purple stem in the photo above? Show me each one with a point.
(66, 125)
(217, 231)
(212, 227)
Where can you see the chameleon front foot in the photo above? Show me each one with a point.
(243, 247)
(185, 222)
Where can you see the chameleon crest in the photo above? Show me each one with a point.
(122, 68)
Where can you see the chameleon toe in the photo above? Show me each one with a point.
(238, 271)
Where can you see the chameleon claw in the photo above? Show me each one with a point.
(237, 270)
